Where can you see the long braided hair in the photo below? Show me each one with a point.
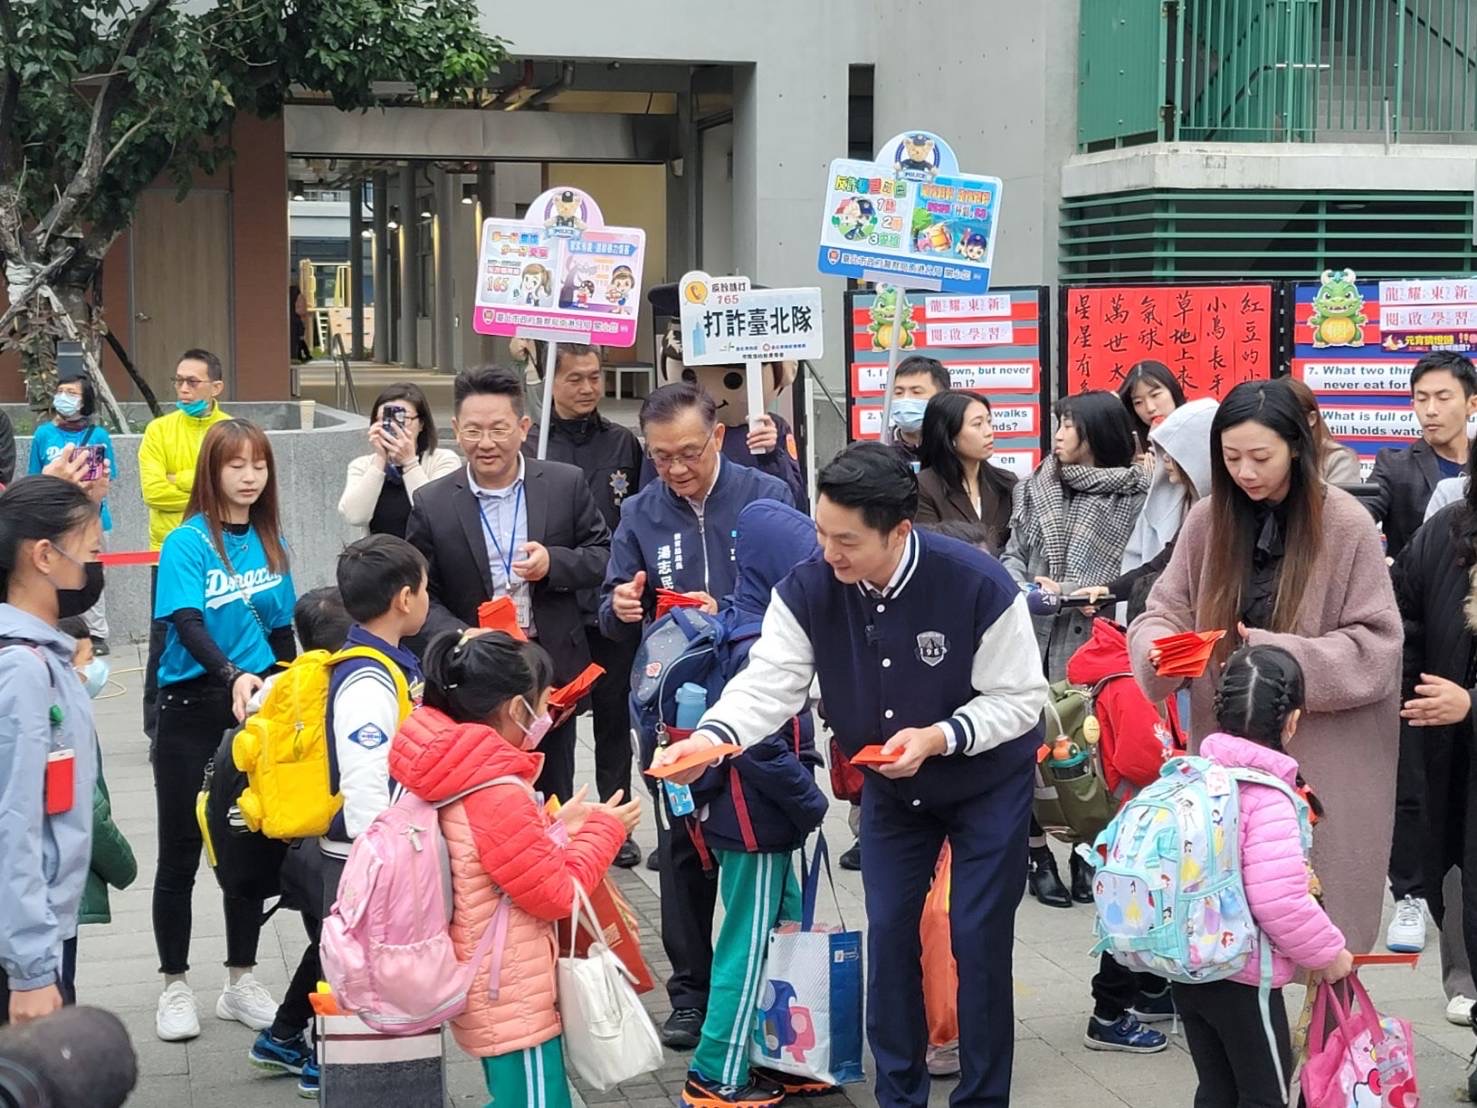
(1259, 689)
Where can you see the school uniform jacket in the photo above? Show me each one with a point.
(949, 641)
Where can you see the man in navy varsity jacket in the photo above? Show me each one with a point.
(922, 644)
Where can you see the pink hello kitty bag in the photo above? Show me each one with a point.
(1366, 1061)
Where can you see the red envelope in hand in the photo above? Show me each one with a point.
(874, 756)
(701, 758)
(501, 615)
(1186, 655)
(666, 600)
(567, 696)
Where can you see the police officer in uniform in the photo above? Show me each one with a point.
(923, 645)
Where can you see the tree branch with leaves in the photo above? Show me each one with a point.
(99, 100)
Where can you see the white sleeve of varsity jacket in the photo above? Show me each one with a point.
(1011, 689)
(366, 715)
(772, 687)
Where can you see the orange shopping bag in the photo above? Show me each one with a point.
(618, 931)
(940, 973)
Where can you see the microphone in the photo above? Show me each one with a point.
(872, 634)
(74, 1058)
(1042, 602)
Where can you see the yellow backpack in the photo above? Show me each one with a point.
(283, 748)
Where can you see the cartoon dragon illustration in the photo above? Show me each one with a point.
(1338, 317)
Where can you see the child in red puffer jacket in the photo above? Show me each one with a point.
(485, 712)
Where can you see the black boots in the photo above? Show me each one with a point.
(1081, 881)
(1045, 883)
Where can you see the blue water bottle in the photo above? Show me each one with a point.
(692, 702)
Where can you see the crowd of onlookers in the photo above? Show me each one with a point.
(933, 601)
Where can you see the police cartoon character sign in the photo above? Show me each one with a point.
(560, 273)
(911, 217)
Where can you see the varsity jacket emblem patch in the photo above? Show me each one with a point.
(932, 646)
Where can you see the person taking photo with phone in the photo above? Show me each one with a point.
(403, 457)
(74, 423)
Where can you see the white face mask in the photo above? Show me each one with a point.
(537, 728)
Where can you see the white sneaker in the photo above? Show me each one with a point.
(248, 1002)
(1459, 1011)
(1407, 933)
(177, 1018)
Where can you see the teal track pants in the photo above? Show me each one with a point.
(758, 891)
(532, 1078)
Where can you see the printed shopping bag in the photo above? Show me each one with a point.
(1365, 1061)
(615, 924)
(809, 1022)
(940, 972)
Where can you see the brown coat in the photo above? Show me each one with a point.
(938, 503)
(1348, 641)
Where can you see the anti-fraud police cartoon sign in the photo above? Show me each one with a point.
(559, 273)
(910, 218)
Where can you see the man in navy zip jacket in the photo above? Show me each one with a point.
(924, 645)
(678, 533)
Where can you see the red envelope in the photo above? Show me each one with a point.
(501, 615)
(666, 600)
(1187, 654)
(701, 758)
(874, 756)
(567, 696)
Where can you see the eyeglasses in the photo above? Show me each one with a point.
(688, 457)
(188, 382)
(474, 435)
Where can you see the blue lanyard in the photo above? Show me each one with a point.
(506, 559)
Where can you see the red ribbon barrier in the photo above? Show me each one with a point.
(130, 558)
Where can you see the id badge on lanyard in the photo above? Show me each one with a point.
(518, 589)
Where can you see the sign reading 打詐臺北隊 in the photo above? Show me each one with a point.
(726, 321)
(560, 273)
(911, 218)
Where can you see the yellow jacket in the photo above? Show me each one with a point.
(166, 467)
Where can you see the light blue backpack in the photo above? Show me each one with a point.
(1168, 889)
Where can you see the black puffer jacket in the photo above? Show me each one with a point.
(1438, 605)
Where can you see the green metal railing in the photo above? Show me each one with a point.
(1277, 70)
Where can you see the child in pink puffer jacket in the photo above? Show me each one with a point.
(1258, 704)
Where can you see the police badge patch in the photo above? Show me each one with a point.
(932, 646)
(620, 485)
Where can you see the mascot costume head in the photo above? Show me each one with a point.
(724, 383)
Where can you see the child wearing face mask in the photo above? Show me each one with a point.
(49, 534)
(113, 863)
(74, 423)
(485, 712)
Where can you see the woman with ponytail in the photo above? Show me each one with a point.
(1275, 557)
(50, 537)
(476, 737)
(1257, 708)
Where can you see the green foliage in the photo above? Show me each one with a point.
(173, 100)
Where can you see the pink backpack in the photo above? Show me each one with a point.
(385, 947)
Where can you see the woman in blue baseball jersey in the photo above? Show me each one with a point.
(226, 597)
(74, 423)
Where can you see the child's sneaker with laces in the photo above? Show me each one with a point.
(291, 1056)
(758, 1093)
(1126, 1034)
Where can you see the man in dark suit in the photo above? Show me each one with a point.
(512, 526)
(1443, 392)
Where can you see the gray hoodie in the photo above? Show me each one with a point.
(43, 859)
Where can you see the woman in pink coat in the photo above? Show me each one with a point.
(1257, 708)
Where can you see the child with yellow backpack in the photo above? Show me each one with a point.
(316, 752)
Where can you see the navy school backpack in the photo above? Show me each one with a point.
(684, 645)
